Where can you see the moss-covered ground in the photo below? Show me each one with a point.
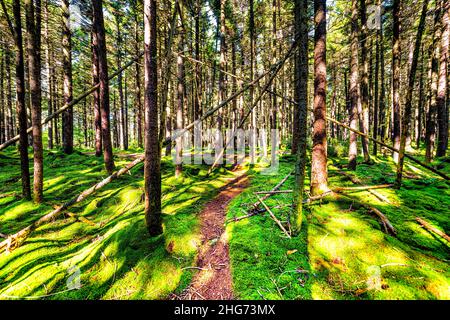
(115, 256)
(343, 251)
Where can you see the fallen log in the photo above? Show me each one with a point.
(429, 227)
(13, 241)
(273, 217)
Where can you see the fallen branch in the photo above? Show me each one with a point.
(273, 217)
(429, 227)
(4, 236)
(256, 204)
(388, 227)
(274, 192)
(362, 188)
(355, 180)
(16, 239)
(253, 211)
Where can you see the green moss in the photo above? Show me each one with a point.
(116, 257)
(342, 245)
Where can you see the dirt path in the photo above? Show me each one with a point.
(213, 280)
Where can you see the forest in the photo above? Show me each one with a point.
(224, 150)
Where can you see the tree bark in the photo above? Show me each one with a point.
(67, 115)
(442, 107)
(152, 163)
(50, 76)
(100, 44)
(96, 99)
(354, 89)
(319, 172)
(408, 101)
(430, 133)
(33, 48)
(364, 80)
(300, 119)
(396, 56)
(138, 102)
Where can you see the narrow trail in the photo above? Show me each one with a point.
(214, 280)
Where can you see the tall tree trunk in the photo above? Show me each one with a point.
(420, 103)
(442, 107)
(408, 101)
(382, 118)
(50, 75)
(376, 105)
(9, 119)
(100, 44)
(198, 84)
(301, 89)
(354, 89)
(364, 81)
(273, 116)
(96, 99)
(319, 172)
(396, 56)
(67, 115)
(123, 131)
(20, 103)
(430, 133)
(180, 107)
(222, 63)
(33, 48)
(138, 103)
(152, 162)
(252, 90)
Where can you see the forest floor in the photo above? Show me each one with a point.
(342, 251)
(214, 280)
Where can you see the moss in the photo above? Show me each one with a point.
(342, 246)
(116, 257)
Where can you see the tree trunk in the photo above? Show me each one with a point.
(408, 101)
(96, 99)
(396, 56)
(123, 131)
(222, 63)
(442, 107)
(376, 104)
(420, 103)
(50, 75)
(152, 162)
(180, 107)
(100, 44)
(430, 133)
(138, 102)
(251, 91)
(319, 172)
(67, 116)
(301, 70)
(364, 80)
(354, 90)
(33, 42)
